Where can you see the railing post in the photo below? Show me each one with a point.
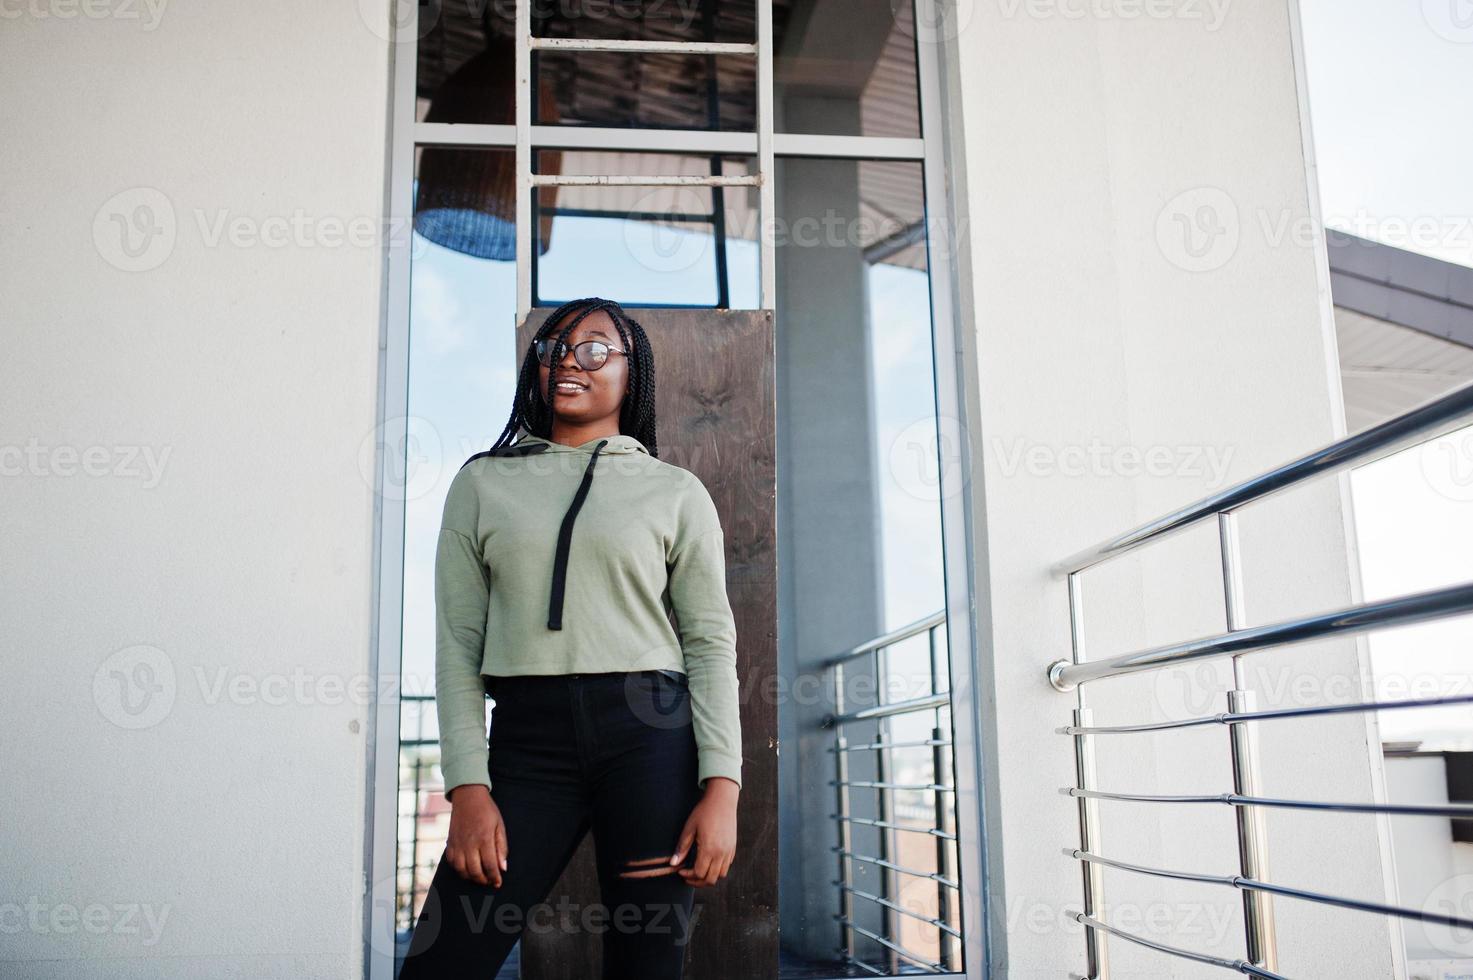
(940, 773)
(889, 885)
(1096, 952)
(841, 816)
(1258, 910)
(1097, 959)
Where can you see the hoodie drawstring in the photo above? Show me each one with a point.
(564, 539)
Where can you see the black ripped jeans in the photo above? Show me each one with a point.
(614, 753)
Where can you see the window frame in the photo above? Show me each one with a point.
(405, 135)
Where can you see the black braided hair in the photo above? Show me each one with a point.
(531, 409)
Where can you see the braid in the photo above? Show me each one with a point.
(530, 408)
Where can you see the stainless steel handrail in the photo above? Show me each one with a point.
(1455, 811)
(1248, 884)
(1432, 418)
(899, 868)
(929, 920)
(1239, 966)
(895, 947)
(889, 639)
(1427, 421)
(1419, 607)
(882, 784)
(878, 788)
(1242, 717)
(888, 825)
(928, 703)
(912, 744)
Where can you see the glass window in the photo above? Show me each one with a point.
(839, 68)
(466, 65)
(859, 536)
(845, 68)
(725, 21)
(647, 246)
(861, 545)
(462, 374)
(647, 91)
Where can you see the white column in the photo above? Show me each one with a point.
(1146, 307)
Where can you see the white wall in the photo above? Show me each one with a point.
(184, 756)
(1089, 137)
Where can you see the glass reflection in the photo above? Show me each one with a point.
(860, 546)
(840, 67)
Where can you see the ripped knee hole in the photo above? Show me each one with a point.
(649, 868)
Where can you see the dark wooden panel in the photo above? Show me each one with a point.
(716, 400)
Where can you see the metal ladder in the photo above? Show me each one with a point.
(527, 181)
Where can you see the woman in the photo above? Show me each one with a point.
(606, 716)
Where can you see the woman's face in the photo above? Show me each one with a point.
(583, 396)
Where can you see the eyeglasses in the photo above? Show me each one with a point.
(590, 354)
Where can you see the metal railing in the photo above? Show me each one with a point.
(422, 828)
(1428, 421)
(939, 823)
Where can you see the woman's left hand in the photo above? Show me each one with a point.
(712, 829)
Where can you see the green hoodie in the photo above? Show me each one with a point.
(519, 591)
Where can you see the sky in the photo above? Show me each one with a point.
(1391, 100)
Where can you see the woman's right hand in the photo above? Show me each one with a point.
(476, 847)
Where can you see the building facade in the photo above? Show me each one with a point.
(1023, 298)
